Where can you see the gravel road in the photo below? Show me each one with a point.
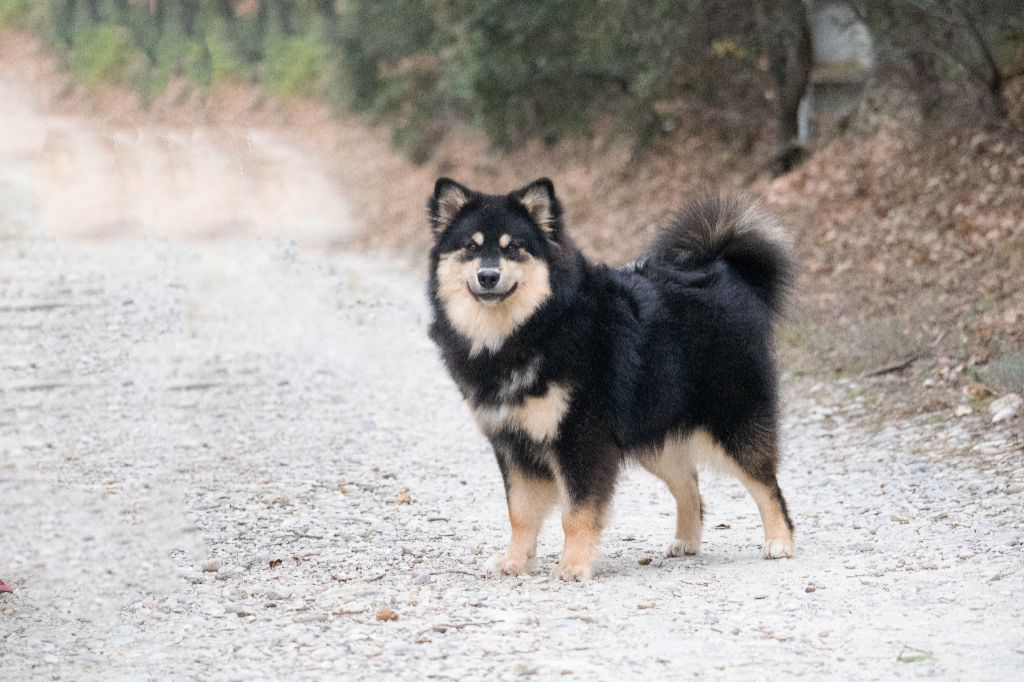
(240, 458)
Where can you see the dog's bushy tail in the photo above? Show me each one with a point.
(727, 228)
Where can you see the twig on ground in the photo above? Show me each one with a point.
(893, 367)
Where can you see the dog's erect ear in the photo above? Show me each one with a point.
(539, 200)
(448, 199)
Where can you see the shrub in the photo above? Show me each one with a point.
(104, 53)
(14, 13)
(295, 66)
(1006, 373)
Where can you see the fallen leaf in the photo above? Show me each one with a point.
(975, 391)
(386, 614)
(404, 497)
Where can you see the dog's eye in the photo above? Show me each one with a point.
(472, 246)
(512, 249)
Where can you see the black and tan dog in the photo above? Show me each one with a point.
(573, 368)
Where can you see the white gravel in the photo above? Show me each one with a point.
(222, 460)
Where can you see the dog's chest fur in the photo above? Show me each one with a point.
(516, 397)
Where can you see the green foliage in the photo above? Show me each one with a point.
(296, 66)
(546, 68)
(14, 13)
(103, 53)
(226, 62)
(541, 68)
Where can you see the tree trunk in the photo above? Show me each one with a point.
(785, 36)
(330, 17)
(227, 12)
(189, 14)
(283, 12)
(93, 8)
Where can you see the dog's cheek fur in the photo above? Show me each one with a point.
(488, 326)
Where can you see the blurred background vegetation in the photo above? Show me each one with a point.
(888, 133)
(545, 69)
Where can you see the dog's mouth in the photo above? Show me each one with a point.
(493, 296)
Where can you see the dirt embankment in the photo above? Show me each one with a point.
(912, 242)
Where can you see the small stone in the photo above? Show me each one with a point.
(228, 571)
(386, 614)
(422, 578)
(525, 669)
(962, 410)
(211, 565)
(310, 617)
(1005, 407)
(644, 560)
(810, 588)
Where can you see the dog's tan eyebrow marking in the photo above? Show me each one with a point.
(504, 241)
(478, 238)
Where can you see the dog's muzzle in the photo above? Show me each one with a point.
(491, 285)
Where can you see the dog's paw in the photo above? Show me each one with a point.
(503, 564)
(779, 549)
(572, 572)
(682, 547)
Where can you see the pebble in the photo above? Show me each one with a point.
(422, 578)
(214, 610)
(1006, 407)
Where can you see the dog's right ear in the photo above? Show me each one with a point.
(448, 199)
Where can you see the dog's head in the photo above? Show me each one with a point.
(491, 257)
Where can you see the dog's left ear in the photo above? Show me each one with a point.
(539, 200)
(445, 203)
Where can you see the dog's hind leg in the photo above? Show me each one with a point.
(757, 463)
(778, 529)
(530, 497)
(754, 462)
(675, 467)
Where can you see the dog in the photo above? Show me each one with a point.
(573, 368)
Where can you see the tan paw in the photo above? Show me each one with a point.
(779, 548)
(680, 547)
(506, 565)
(572, 572)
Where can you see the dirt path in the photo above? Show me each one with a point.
(205, 445)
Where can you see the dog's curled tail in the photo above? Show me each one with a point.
(727, 228)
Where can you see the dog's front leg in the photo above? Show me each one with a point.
(530, 497)
(582, 524)
(585, 487)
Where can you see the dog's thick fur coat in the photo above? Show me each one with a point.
(573, 368)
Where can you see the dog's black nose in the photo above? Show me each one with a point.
(488, 278)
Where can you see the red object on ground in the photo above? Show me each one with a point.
(4, 588)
